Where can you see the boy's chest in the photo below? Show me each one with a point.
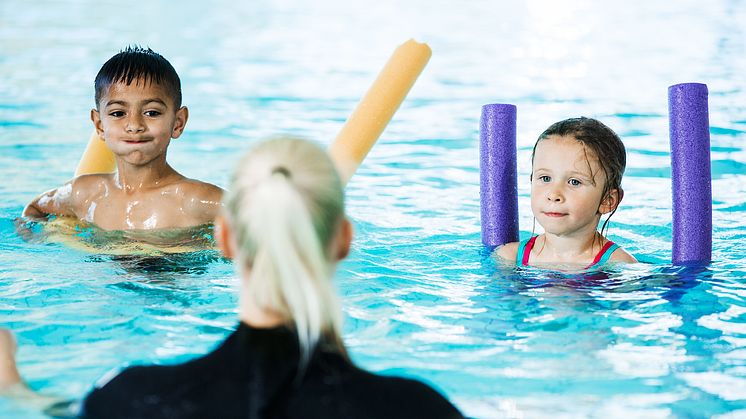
(142, 211)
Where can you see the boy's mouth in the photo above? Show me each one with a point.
(137, 141)
(555, 214)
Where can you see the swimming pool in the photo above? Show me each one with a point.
(420, 296)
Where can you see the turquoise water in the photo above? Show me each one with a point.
(419, 295)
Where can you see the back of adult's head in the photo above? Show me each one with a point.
(285, 206)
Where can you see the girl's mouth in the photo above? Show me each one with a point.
(554, 214)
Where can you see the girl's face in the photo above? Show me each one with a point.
(566, 188)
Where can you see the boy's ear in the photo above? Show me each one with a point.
(181, 119)
(96, 119)
(611, 201)
(223, 237)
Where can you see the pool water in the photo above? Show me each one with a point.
(421, 297)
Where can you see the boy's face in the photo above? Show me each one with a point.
(138, 121)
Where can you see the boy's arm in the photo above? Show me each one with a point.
(55, 202)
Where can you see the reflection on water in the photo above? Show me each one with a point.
(196, 262)
(88, 237)
(624, 330)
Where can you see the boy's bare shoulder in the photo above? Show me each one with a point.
(198, 190)
(85, 188)
(92, 180)
(201, 200)
(507, 251)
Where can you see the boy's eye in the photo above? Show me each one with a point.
(545, 179)
(152, 113)
(116, 114)
(574, 182)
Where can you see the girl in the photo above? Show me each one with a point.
(285, 228)
(577, 167)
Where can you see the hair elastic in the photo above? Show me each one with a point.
(281, 170)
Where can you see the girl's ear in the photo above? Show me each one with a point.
(611, 201)
(223, 237)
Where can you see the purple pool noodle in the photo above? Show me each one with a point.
(498, 174)
(690, 173)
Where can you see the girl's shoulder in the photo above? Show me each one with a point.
(508, 251)
(618, 254)
(621, 255)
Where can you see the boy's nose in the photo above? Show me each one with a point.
(135, 124)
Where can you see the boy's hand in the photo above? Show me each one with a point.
(29, 230)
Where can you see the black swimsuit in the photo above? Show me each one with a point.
(254, 374)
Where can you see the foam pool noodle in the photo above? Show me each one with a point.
(691, 175)
(357, 136)
(373, 113)
(498, 174)
(97, 158)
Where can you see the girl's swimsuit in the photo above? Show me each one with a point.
(524, 251)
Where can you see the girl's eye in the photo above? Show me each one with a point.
(545, 179)
(116, 114)
(574, 182)
(152, 113)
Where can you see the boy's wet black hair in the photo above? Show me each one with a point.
(137, 63)
(602, 141)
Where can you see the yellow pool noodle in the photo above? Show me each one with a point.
(97, 158)
(359, 133)
(373, 113)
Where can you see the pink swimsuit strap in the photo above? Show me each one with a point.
(527, 250)
(603, 255)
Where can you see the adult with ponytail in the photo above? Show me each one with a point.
(285, 228)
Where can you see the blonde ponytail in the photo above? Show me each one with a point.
(285, 205)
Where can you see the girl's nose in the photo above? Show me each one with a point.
(555, 196)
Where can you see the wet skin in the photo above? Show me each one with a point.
(137, 122)
(567, 185)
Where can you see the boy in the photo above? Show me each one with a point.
(138, 111)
